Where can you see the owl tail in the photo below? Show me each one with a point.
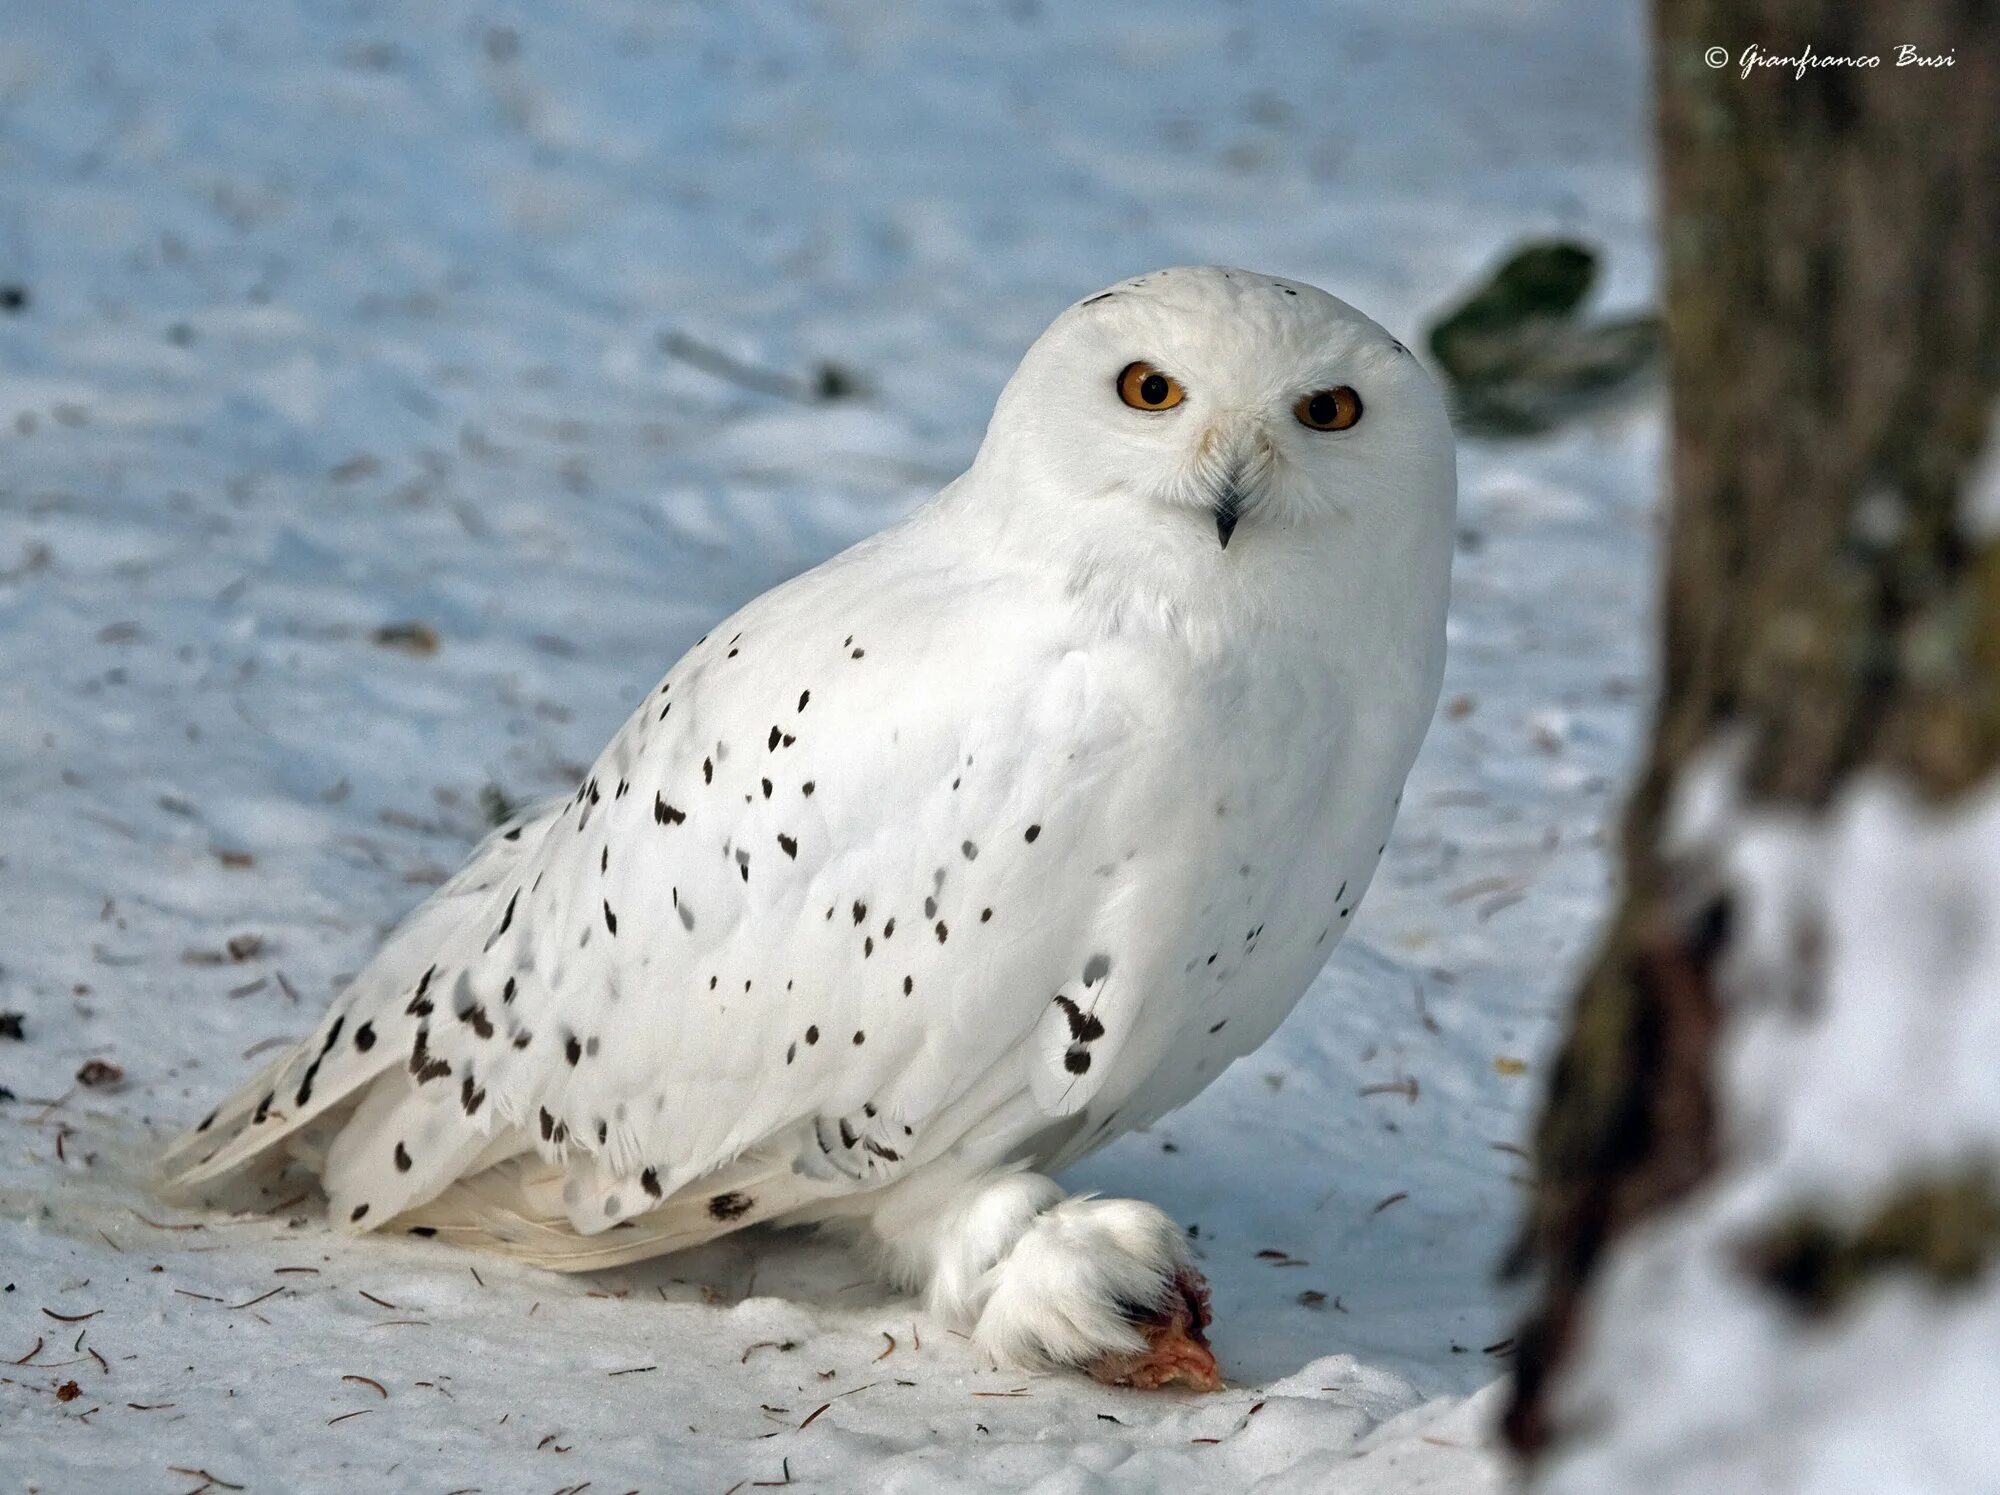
(365, 1035)
(528, 1208)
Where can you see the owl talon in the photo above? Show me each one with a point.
(1177, 1351)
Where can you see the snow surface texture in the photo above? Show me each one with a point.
(338, 319)
(1695, 1377)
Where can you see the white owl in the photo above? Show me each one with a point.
(941, 865)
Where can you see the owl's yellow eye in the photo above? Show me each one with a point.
(1144, 387)
(1329, 409)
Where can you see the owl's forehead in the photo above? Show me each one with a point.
(1223, 315)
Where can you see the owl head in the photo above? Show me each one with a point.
(1203, 421)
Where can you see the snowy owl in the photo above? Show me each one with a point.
(936, 868)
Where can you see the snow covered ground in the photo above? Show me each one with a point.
(343, 318)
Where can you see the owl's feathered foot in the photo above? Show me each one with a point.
(1046, 1282)
(1177, 1352)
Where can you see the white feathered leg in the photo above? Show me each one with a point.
(1042, 1280)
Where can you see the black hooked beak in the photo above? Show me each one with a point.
(1228, 509)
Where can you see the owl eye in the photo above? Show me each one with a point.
(1144, 387)
(1329, 409)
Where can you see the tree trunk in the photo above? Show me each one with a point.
(1833, 306)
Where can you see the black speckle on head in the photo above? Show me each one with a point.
(650, 1182)
(859, 1038)
(1077, 1061)
(711, 982)
(857, 653)
(360, 1213)
(1032, 832)
(402, 1158)
(860, 911)
(507, 992)
(807, 788)
(666, 814)
(1217, 1027)
(364, 1037)
(889, 930)
(610, 919)
(942, 931)
(985, 915)
(930, 908)
(708, 770)
(548, 1125)
(969, 850)
(909, 985)
(788, 845)
(729, 1206)
(812, 1035)
(603, 1132)
(804, 696)
(791, 1052)
(767, 788)
(867, 946)
(604, 860)
(573, 1049)
(777, 734)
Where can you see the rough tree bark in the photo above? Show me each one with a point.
(1832, 261)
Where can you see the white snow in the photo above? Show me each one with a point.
(345, 315)
(1863, 1012)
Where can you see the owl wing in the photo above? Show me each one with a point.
(815, 890)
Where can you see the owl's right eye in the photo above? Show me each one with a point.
(1144, 387)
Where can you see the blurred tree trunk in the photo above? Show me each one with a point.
(1832, 266)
